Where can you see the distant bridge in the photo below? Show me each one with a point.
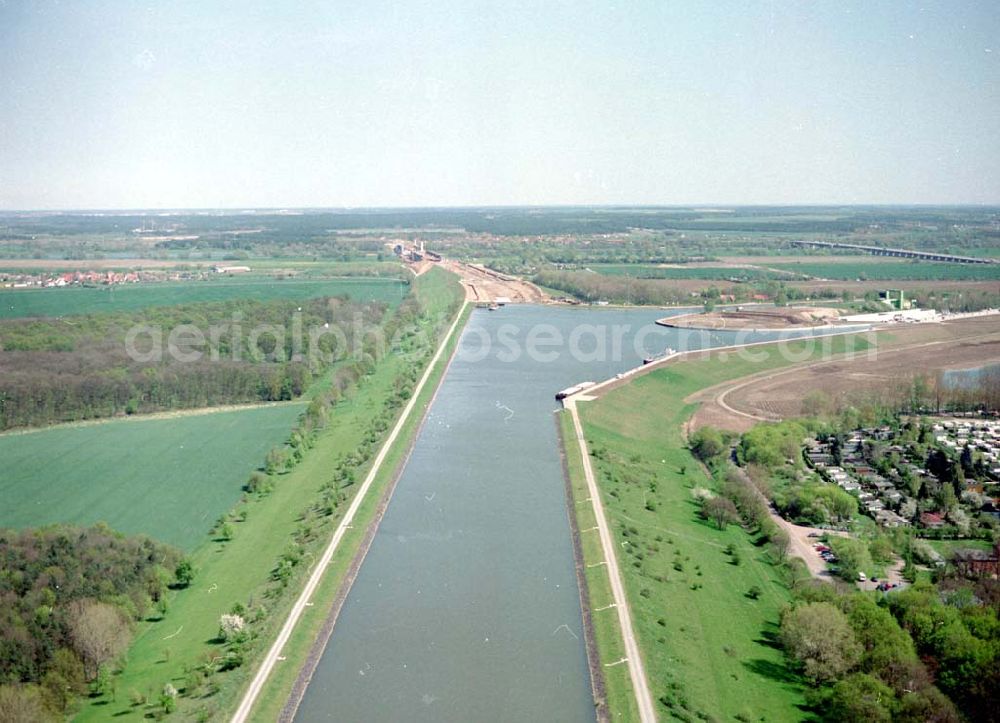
(901, 253)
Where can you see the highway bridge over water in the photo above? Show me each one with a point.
(901, 253)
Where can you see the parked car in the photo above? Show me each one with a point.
(862, 577)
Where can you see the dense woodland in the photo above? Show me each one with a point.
(928, 653)
(663, 292)
(55, 370)
(68, 599)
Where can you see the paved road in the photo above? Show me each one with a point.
(643, 698)
(246, 704)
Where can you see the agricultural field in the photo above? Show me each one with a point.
(168, 477)
(90, 300)
(706, 273)
(893, 270)
(709, 647)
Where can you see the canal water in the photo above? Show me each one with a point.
(466, 607)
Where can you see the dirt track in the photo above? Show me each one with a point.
(637, 671)
(739, 404)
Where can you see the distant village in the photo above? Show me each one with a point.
(47, 280)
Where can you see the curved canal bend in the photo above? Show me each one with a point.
(467, 607)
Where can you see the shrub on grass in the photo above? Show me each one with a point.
(720, 510)
(820, 638)
(707, 443)
(231, 627)
(183, 573)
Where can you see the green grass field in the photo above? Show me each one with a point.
(947, 547)
(238, 571)
(895, 270)
(169, 478)
(709, 648)
(16, 303)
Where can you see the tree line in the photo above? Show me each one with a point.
(54, 371)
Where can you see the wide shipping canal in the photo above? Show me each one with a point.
(467, 607)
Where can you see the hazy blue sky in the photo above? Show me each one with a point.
(238, 104)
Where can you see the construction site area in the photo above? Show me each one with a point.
(886, 372)
(482, 285)
(485, 286)
(755, 318)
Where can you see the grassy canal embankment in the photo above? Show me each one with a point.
(182, 648)
(273, 698)
(708, 646)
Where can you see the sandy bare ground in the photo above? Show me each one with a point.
(803, 541)
(755, 318)
(483, 286)
(903, 350)
(804, 546)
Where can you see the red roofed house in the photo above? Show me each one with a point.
(931, 520)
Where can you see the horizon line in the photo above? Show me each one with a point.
(249, 209)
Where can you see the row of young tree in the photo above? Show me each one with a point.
(52, 372)
(69, 597)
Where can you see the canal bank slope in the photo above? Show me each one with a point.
(703, 639)
(467, 606)
(384, 470)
